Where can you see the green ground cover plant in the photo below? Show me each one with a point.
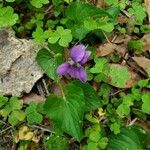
(88, 51)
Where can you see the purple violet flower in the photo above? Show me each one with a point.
(74, 68)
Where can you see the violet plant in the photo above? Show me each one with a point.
(74, 68)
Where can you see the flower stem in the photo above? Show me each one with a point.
(62, 91)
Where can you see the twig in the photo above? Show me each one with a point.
(132, 122)
(106, 37)
(41, 92)
(45, 86)
(2, 122)
(113, 94)
(47, 10)
(44, 129)
(126, 13)
(6, 129)
(114, 38)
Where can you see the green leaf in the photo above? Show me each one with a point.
(138, 10)
(114, 12)
(3, 100)
(39, 3)
(92, 100)
(91, 119)
(7, 17)
(119, 75)
(68, 1)
(5, 111)
(115, 127)
(104, 25)
(112, 2)
(56, 48)
(146, 103)
(16, 116)
(104, 90)
(63, 36)
(79, 31)
(145, 28)
(136, 46)
(129, 139)
(101, 66)
(54, 37)
(94, 136)
(56, 143)
(10, 0)
(103, 143)
(67, 112)
(143, 83)
(48, 62)
(92, 146)
(33, 117)
(56, 2)
(79, 11)
(40, 36)
(15, 103)
(124, 108)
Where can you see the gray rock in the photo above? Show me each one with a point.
(18, 68)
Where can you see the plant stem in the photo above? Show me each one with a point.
(62, 91)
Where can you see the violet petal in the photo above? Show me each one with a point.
(77, 52)
(63, 69)
(73, 71)
(78, 73)
(85, 58)
(82, 75)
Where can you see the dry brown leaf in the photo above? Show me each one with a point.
(109, 48)
(142, 62)
(32, 97)
(36, 138)
(122, 19)
(121, 49)
(147, 4)
(146, 39)
(134, 77)
(122, 39)
(100, 3)
(106, 49)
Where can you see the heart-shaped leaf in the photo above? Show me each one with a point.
(92, 100)
(48, 62)
(67, 112)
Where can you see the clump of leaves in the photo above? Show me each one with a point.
(63, 36)
(138, 10)
(12, 109)
(39, 3)
(79, 19)
(33, 116)
(136, 46)
(40, 36)
(146, 102)
(95, 136)
(7, 16)
(56, 142)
